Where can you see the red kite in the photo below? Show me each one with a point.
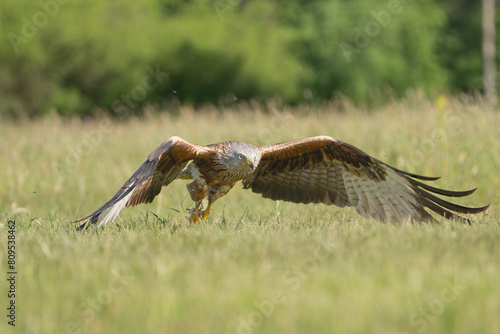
(312, 170)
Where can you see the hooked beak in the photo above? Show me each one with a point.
(250, 164)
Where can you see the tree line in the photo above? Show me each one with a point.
(121, 55)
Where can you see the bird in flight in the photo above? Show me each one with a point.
(311, 170)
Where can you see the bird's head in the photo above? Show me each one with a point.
(242, 158)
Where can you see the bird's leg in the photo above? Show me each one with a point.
(215, 192)
(206, 212)
(198, 190)
(213, 195)
(194, 218)
(195, 213)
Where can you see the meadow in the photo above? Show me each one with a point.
(255, 266)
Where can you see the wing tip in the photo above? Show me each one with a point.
(85, 226)
(87, 222)
(438, 205)
(483, 208)
(420, 177)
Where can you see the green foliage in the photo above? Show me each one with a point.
(72, 56)
(374, 46)
(460, 44)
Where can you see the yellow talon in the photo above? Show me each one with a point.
(195, 218)
(196, 213)
(205, 213)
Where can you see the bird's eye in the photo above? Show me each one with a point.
(240, 156)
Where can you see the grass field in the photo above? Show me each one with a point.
(256, 266)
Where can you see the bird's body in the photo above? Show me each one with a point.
(214, 175)
(312, 170)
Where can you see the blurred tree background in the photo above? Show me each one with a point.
(71, 56)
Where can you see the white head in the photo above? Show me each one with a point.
(241, 158)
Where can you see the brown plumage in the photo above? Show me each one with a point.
(312, 170)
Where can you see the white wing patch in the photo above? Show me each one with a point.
(111, 213)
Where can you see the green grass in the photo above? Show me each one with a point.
(255, 266)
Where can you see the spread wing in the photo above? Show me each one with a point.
(325, 170)
(162, 166)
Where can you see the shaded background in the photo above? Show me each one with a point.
(73, 56)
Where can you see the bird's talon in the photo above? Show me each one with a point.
(204, 214)
(195, 219)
